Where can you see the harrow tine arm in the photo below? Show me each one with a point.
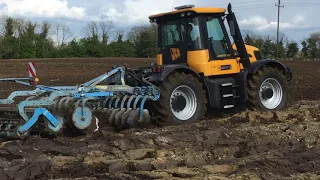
(104, 103)
(23, 83)
(56, 94)
(122, 76)
(41, 103)
(136, 101)
(15, 94)
(116, 88)
(95, 94)
(38, 112)
(110, 102)
(130, 100)
(103, 77)
(123, 101)
(57, 88)
(85, 100)
(13, 79)
(142, 107)
(24, 104)
(150, 84)
(103, 91)
(30, 122)
(18, 80)
(117, 102)
(60, 104)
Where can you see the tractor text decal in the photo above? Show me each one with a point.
(175, 53)
(225, 67)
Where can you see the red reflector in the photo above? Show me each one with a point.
(156, 69)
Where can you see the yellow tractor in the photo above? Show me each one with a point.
(198, 68)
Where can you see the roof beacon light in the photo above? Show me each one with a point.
(184, 7)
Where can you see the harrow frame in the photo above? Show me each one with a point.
(58, 103)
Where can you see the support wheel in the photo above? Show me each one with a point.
(82, 118)
(267, 90)
(182, 101)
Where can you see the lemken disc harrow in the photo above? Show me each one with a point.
(52, 108)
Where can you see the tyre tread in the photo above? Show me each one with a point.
(253, 86)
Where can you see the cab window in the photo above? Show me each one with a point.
(172, 33)
(193, 34)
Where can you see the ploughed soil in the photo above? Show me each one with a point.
(248, 145)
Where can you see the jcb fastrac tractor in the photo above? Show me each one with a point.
(197, 69)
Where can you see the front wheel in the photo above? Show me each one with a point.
(267, 90)
(182, 101)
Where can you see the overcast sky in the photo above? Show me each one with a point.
(298, 17)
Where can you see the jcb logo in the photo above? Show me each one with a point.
(175, 53)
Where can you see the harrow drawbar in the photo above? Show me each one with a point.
(54, 108)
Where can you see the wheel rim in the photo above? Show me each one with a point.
(271, 93)
(183, 103)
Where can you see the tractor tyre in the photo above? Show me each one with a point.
(182, 101)
(267, 90)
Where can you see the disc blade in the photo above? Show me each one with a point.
(112, 116)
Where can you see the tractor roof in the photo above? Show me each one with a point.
(191, 8)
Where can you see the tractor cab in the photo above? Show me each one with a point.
(198, 36)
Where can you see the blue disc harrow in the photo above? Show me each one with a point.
(105, 99)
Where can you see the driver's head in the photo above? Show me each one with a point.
(189, 28)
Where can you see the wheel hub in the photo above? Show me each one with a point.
(179, 103)
(267, 93)
(183, 102)
(271, 93)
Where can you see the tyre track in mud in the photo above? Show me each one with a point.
(248, 145)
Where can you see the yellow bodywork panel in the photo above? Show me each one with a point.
(201, 63)
(159, 59)
(250, 51)
(196, 10)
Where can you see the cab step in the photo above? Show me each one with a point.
(226, 84)
(228, 95)
(228, 106)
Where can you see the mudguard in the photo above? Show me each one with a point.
(267, 62)
(168, 69)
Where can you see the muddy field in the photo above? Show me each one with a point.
(249, 145)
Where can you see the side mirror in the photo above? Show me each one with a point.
(230, 18)
(229, 8)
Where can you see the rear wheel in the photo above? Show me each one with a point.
(267, 90)
(182, 101)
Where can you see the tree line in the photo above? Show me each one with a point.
(20, 39)
(288, 49)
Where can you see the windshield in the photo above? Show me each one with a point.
(226, 25)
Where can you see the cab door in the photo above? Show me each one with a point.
(221, 54)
